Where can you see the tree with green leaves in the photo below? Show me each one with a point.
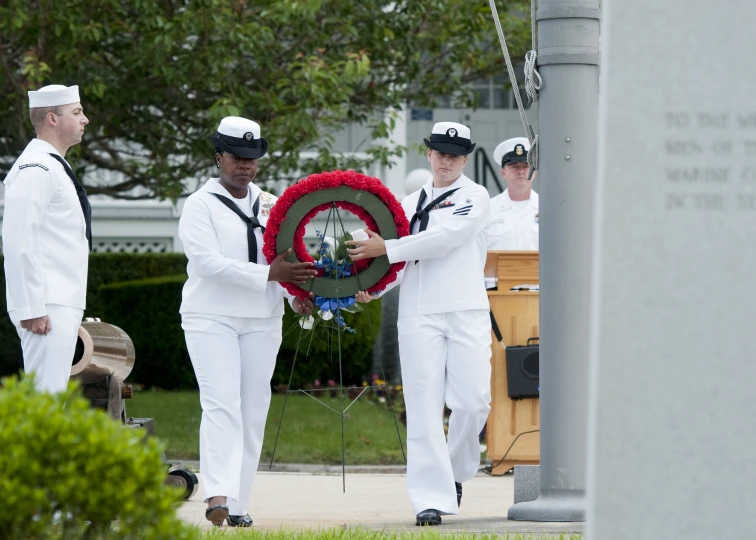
(156, 76)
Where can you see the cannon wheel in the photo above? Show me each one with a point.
(182, 477)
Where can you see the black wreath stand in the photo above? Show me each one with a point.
(334, 211)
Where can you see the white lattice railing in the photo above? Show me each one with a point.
(132, 245)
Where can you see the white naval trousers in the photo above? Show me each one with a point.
(50, 356)
(445, 357)
(233, 359)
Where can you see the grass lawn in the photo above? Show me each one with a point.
(311, 433)
(360, 534)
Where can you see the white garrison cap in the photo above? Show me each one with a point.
(53, 95)
(514, 150)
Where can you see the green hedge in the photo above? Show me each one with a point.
(104, 268)
(11, 360)
(148, 310)
(318, 358)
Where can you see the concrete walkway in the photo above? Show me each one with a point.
(299, 501)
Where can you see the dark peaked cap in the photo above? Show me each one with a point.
(240, 137)
(513, 150)
(450, 138)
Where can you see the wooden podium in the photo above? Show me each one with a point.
(516, 313)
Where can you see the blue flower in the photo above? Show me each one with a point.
(330, 308)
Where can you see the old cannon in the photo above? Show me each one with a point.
(104, 357)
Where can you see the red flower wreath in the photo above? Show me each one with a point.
(328, 180)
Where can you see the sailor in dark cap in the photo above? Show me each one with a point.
(450, 138)
(515, 211)
(232, 311)
(240, 138)
(444, 325)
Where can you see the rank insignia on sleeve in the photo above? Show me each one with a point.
(265, 208)
(267, 201)
(24, 166)
(463, 210)
(267, 198)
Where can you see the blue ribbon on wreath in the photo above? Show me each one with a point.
(333, 304)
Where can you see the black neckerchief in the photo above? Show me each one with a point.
(423, 214)
(252, 223)
(86, 208)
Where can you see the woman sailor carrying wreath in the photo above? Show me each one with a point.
(232, 311)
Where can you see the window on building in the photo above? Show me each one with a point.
(493, 93)
(482, 90)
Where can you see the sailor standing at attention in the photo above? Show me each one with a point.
(444, 326)
(232, 316)
(47, 237)
(515, 211)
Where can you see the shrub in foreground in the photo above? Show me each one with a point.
(68, 471)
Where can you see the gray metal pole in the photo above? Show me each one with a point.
(568, 56)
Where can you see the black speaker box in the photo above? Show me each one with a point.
(522, 371)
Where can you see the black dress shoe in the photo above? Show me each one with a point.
(217, 514)
(239, 521)
(428, 518)
(458, 485)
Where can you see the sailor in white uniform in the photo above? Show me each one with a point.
(444, 326)
(47, 237)
(515, 211)
(232, 311)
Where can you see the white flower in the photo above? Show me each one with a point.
(307, 322)
(326, 315)
(331, 246)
